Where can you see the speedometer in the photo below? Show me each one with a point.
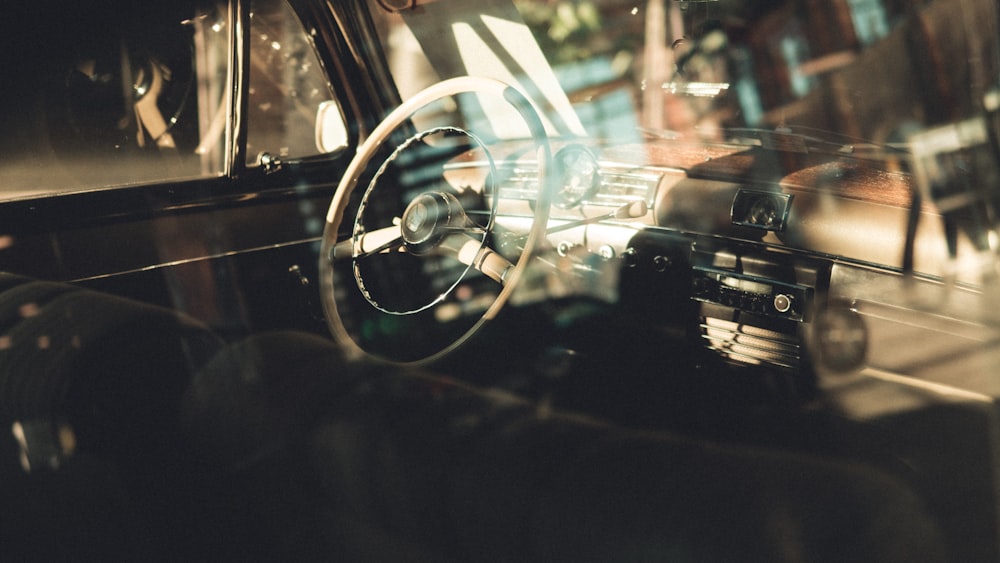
(578, 175)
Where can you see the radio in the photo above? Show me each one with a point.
(751, 294)
(754, 306)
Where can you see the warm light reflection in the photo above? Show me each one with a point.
(699, 89)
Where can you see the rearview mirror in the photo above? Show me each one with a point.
(331, 128)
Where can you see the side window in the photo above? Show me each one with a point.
(126, 93)
(289, 90)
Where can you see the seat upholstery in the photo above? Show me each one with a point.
(381, 463)
(94, 381)
(57, 339)
(278, 448)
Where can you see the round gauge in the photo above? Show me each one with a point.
(578, 175)
(397, 5)
(764, 212)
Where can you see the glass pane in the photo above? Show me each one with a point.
(110, 103)
(287, 85)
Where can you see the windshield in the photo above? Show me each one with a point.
(909, 87)
(877, 70)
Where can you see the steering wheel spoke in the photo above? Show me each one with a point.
(368, 244)
(486, 260)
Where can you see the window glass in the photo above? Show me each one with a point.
(288, 88)
(123, 94)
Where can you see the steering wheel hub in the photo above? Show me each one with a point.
(428, 219)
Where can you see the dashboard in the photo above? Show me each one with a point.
(790, 263)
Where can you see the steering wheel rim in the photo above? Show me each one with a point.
(351, 180)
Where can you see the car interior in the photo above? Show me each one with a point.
(508, 280)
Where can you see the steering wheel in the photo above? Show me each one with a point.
(412, 273)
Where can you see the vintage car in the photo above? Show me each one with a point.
(504, 280)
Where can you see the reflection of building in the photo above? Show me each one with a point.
(871, 68)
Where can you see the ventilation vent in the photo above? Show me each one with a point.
(750, 345)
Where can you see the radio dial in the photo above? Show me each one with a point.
(783, 303)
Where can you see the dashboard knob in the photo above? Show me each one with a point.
(565, 248)
(783, 303)
(630, 258)
(661, 263)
